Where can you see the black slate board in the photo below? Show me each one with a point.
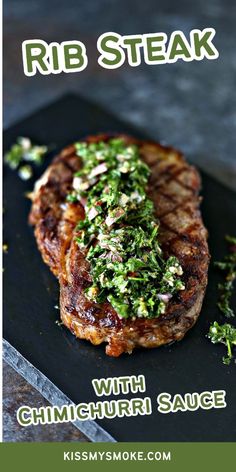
(31, 292)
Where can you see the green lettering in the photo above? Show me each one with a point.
(219, 398)
(21, 418)
(102, 386)
(206, 400)
(123, 408)
(82, 411)
(61, 414)
(154, 51)
(178, 403)
(192, 401)
(73, 56)
(137, 406)
(164, 403)
(55, 58)
(204, 43)
(35, 52)
(109, 409)
(137, 383)
(117, 52)
(178, 47)
(131, 43)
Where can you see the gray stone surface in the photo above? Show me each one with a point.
(17, 392)
(188, 105)
(51, 393)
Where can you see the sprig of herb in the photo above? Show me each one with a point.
(119, 234)
(24, 151)
(225, 334)
(226, 288)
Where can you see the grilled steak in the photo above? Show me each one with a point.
(174, 188)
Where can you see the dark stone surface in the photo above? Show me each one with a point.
(188, 105)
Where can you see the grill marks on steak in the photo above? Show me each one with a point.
(174, 188)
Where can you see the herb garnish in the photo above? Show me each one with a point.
(24, 151)
(119, 234)
(226, 288)
(225, 334)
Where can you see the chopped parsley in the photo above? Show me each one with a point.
(24, 151)
(119, 234)
(25, 172)
(228, 265)
(225, 334)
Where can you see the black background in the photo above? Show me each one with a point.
(31, 292)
